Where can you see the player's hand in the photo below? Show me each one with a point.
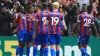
(98, 36)
(14, 31)
(31, 17)
(62, 32)
(72, 33)
(34, 35)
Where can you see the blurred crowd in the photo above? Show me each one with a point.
(70, 9)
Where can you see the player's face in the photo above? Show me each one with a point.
(31, 10)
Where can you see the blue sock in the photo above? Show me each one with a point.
(35, 51)
(46, 51)
(57, 53)
(17, 50)
(52, 52)
(84, 51)
(28, 51)
(41, 51)
(21, 52)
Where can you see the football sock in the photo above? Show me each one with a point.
(35, 51)
(17, 50)
(57, 53)
(28, 49)
(41, 51)
(83, 50)
(52, 52)
(46, 51)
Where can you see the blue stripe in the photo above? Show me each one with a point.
(41, 22)
(53, 25)
(58, 15)
(85, 26)
(23, 24)
(47, 29)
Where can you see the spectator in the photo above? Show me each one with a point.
(71, 9)
(5, 19)
(97, 23)
(81, 2)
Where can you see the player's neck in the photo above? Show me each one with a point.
(55, 9)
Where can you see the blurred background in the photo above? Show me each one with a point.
(70, 9)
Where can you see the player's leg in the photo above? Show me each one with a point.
(28, 48)
(52, 44)
(86, 42)
(35, 45)
(58, 40)
(42, 50)
(81, 44)
(29, 40)
(20, 47)
(45, 44)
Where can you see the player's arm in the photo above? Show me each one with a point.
(64, 24)
(94, 27)
(35, 26)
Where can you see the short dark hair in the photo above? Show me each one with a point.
(44, 6)
(39, 6)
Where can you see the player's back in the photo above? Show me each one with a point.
(42, 18)
(55, 20)
(85, 23)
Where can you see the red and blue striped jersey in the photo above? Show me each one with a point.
(21, 22)
(85, 22)
(42, 18)
(56, 19)
(30, 22)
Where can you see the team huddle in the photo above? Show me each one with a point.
(46, 27)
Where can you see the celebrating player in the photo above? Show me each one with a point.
(30, 26)
(42, 30)
(35, 35)
(57, 24)
(84, 21)
(21, 30)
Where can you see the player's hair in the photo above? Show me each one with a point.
(39, 6)
(55, 5)
(29, 8)
(19, 8)
(84, 7)
(50, 6)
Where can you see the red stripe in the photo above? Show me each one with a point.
(82, 25)
(44, 26)
(39, 22)
(49, 18)
(54, 29)
(59, 29)
(25, 23)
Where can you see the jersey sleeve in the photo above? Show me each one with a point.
(79, 18)
(36, 17)
(62, 24)
(92, 20)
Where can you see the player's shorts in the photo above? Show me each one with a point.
(22, 36)
(83, 39)
(55, 39)
(41, 39)
(30, 37)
